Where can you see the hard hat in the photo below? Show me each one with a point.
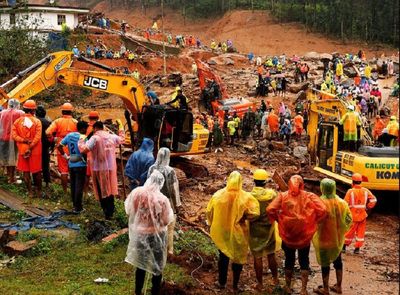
(94, 114)
(67, 107)
(378, 117)
(357, 177)
(350, 107)
(393, 118)
(260, 174)
(29, 104)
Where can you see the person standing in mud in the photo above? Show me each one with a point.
(227, 214)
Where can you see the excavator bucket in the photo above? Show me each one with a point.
(204, 73)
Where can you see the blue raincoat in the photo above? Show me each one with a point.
(139, 163)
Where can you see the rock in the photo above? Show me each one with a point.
(350, 71)
(300, 152)
(18, 248)
(295, 88)
(249, 148)
(312, 55)
(301, 96)
(114, 235)
(211, 62)
(229, 62)
(277, 145)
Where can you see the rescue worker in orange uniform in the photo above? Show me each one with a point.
(298, 125)
(378, 128)
(360, 200)
(58, 129)
(273, 123)
(298, 213)
(27, 133)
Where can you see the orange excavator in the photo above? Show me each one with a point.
(214, 97)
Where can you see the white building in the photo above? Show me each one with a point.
(39, 17)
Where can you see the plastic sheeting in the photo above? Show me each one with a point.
(42, 222)
(298, 213)
(227, 213)
(171, 185)
(263, 234)
(328, 241)
(149, 213)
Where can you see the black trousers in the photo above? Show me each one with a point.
(77, 177)
(107, 204)
(223, 264)
(290, 257)
(337, 264)
(139, 282)
(46, 164)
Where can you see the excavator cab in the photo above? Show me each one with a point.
(167, 127)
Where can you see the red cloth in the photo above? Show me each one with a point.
(273, 122)
(7, 119)
(357, 230)
(298, 213)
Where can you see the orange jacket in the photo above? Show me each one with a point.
(298, 213)
(379, 126)
(62, 126)
(273, 122)
(359, 199)
(298, 121)
(20, 133)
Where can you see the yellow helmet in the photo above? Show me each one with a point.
(260, 174)
(393, 118)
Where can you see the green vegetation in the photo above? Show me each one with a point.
(195, 241)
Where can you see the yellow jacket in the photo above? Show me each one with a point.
(228, 213)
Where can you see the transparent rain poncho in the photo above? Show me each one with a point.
(329, 239)
(149, 214)
(8, 148)
(298, 213)
(228, 213)
(171, 184)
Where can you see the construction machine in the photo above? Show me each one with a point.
(167, 126)
(214, 97)
(379, 166)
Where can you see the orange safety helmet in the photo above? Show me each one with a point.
(357, 177)
(67, 107)
(30, 104)
(94, 114)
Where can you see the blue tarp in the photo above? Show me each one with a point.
(50, 222)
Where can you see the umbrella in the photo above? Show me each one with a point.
(326, 56)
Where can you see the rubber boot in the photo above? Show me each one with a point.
(304, 281)
(288, 279)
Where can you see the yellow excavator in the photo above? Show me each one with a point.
(379, 166)
(167, 126)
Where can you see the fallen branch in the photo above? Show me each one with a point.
(195, 225)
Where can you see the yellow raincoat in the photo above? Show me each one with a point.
(228, 213)
(339, 69)
(264, 237)
(350, 121)
(328, 240)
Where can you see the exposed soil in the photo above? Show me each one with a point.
(257, 32)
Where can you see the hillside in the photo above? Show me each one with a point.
(256, 32)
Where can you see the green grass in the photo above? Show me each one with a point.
(195, 241)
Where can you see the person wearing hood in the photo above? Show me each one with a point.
(286, 131)
(8, 148)
(139, 163)
(103, 164)
(360, 201)
(350, 121)
(263, 233)
(227, 214)
(46, 144)
(328, 241)
(149, 213)
(298, 213)
(170, 189)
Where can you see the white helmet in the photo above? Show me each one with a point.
(350, 107)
